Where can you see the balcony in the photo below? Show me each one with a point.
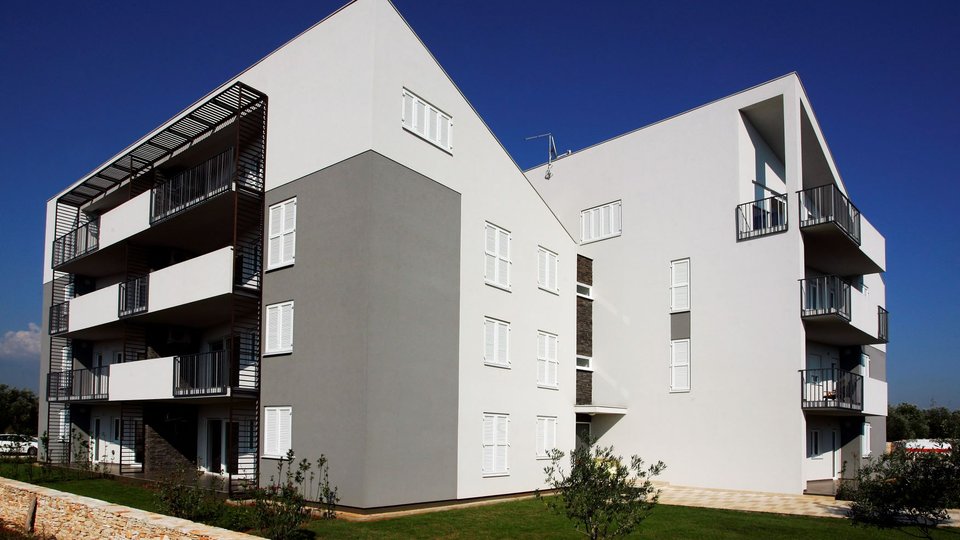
(838, 313)
(59, 318)
(78, 384)
(76, 243)
(133, 296)
(763, 217)
(837, 238)
(202, 374)
(831, 390)
(883, 319)
(192, 187)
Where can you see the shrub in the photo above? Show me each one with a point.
(598, 494)
(903, 488)
(183, 497)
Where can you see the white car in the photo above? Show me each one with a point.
(19, 444)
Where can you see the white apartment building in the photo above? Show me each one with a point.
(332, 253)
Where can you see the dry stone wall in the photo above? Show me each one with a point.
(55, 514)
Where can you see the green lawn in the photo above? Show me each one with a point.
(522, 519)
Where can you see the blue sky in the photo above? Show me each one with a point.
(82, 80)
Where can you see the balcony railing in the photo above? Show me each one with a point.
(202, 374)
(826, 204)
(79, 241)
(824, 295)
(247, 265)
(78, 384)
(191, 187)
(766, 216)
(59, 318)
(883, 318)
(133, 296)
(831, 388)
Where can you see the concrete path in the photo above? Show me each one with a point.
(755, 501)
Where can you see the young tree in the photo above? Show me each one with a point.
(602, 495)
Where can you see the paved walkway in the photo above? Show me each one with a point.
(755, 501)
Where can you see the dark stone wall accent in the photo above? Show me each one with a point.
(680, 325)
(170, 435)
(584, 387)
(584, 270)
(584, 326)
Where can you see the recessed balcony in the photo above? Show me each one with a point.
(838, 313)
(79, 384)
(837, 238)
(762, 217)
(76, 243)
(831, 390)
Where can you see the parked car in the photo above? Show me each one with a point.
(19, 444)
(924, 446)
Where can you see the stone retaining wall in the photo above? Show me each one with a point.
(66, 516)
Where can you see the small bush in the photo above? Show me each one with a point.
(183, 497)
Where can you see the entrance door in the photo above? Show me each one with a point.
(215, 445)
(819, 380)
(97, 437)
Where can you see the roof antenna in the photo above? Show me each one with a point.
(551, 151)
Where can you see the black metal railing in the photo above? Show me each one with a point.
(247, 265)
(59, 318)
(824, 295)
(133, 296)
(192, 186)
(883, 320)
(765, 216)
(78, 384)
(201, 374)
(79, 241)
(828, 204)
(831, 388)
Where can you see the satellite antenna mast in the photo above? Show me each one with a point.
(551, 151)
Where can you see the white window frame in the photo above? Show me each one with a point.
(588, 293)
(547, 435)
(676, 284)
(546, 360)
(674, 365)
(501, 328)
(551, 284)
(499, 469)
(864, 365)
(274, 345)
(499, 255)
(593, 219)
(276, 449)
(865, 432)
(813, 444)
(422, 130)
(277, 235)
(589, 362)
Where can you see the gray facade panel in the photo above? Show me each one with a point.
(373, 377)
(44, 356)
(878, 363)
(680, 325)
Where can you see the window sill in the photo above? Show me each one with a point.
(273, 457)
(679, 390)
(581, 368)
(544, 458)
(682, 310)
(495, 475)
(278, 353)
(279, 266)
(501, 366)
(548, 387)
(555, 292)
(582, 243)
(497, 286)
(421, 137)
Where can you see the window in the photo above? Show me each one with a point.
(865, 440)
(813, 444)
(496, 342)
(547, 263)
(680, 285)
(282, 244)
(277, 422)
(547, 364)
(497, 256)
(865, 365)
(584, 362)
(279, 328)
(585, 290)
(546, 435)
(680, 365)
(601, 222)
(583, 433)
(426, 121)
(496, 444)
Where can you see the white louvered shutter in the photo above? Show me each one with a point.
(503, 343)
(286, 326)
(552, 263)
(541, 358)
(270, 433)
(542, 268)
(503, 254)
(420, 116)
(541, 436)
(680, 285)
(289, 231)
(273, 328)
(407, 110)
(617, 211)
(445, 132)
(552, 360)
(284, 428)
(551, 436)
(488, 443)
(490, 253)
(275, 246)
(680, 365)
(503, 443)
(490, 341)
